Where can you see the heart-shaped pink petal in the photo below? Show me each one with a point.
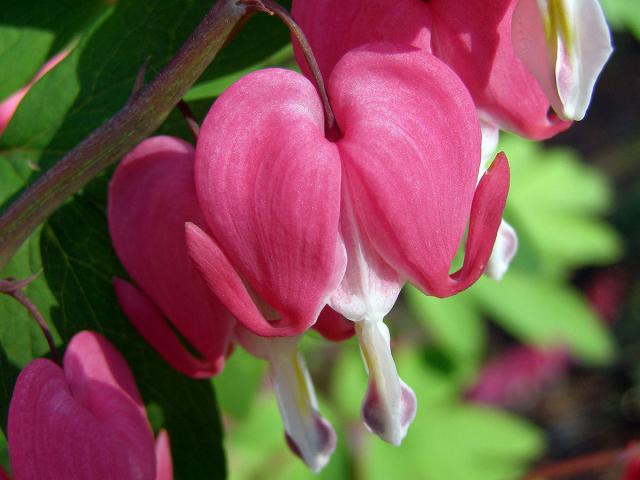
(86, 422)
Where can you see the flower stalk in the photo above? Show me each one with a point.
(139, 118)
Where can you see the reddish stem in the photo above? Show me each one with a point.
(14, 288)
(578, 465)
(332, 131)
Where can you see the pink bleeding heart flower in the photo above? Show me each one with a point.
(84, 421)
(285, 206)
(472, 37)
(151, 197)
(9, 106)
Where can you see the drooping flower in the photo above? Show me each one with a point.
(151, 197)
(9, 105)
(287, 208)
(84, 421)
(473, 37)
(565, 44)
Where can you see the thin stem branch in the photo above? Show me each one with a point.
(332, 130)
(136, 120)
(189, 119)
(14, 289)
(575, 466)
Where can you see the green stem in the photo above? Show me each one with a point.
(139, 118)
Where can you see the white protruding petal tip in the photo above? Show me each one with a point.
(565, 45)
(579, 64)
(376, 419)
(389, 406)
(503, 252)
(325, 437)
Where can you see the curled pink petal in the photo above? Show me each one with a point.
(164, 463)
(151, 196)
(86, 422)
(226, 284)
(268, 183)
(486, 217)
(152, 325)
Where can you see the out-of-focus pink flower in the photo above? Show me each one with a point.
(606, 291)
(9, 106)
(632, 467)
(518, 375)
(151, 197)
(473, 37)
(84, 421)
(287, 209)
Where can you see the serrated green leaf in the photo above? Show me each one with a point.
(545, 312)
(554, 203)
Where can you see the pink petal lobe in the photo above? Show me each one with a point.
(151, 196)
(475, 40)
(164, 463)
(333, 326)
(4, 475)
(268, 183)
(333, 27)
(411, 155)
(86, 422)
(152, 325)
(227, 285)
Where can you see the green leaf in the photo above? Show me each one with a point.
(27, 40)
(623, 13)
(545, 312)
(554, 203)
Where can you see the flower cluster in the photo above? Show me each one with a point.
(274, 225)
